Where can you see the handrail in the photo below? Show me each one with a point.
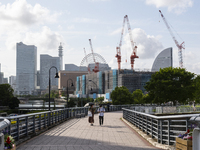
(162, 117)
(4, 123)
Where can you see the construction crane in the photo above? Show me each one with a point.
(133, 56)
(87, 61)
(180, 46)
(96, 67)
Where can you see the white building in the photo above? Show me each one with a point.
(26, 69)
(163, 60)
(60, 54)
(46, 62)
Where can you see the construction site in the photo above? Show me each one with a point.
(100, 81)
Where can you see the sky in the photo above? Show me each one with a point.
(47, 23)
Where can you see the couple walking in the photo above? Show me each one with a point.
(91, 111)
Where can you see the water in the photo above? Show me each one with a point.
(39, 103)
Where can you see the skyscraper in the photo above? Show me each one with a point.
(26, 69)
(46, 62)
(12, 82)
(60, 54)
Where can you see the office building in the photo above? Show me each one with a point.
(26, 69)
(47, 62)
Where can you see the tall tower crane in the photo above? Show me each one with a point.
(87, 61)
(96, 67)
(180, 46)
(133, 55)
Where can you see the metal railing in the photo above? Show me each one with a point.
(163, 128)
(23, 126)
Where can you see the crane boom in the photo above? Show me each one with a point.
(180, 46)
(96, 67)
(92, 49)
(134, 48)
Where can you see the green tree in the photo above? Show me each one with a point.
(6, 93)
(171, 84)
(138, 96)
(121, 95)
(13, 102)
(197, 89)
(100, 99)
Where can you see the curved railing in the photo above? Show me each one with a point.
(4, 123)
(163, 128)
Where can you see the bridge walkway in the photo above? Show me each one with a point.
(77, 134)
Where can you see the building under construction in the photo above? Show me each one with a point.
(104, 82)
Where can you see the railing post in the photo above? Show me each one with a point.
(52, 114)
(18, 130)
(45, 120)
(168, 132)
(26, 125)
(152, 128)
(147, 125)
(161, 128)
(39, 121)
(33, 123)
(56, 116)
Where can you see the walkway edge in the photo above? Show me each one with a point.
(147, 137)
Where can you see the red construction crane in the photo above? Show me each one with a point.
(133, 56)
(87, 61)
(96, 67)
(180, 46)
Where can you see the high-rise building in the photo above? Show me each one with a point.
(12, 82)
(60, 54)
(46, 62)
(5, 80)
(26, 69)
(1, 77)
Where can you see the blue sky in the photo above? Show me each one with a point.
(46, 23)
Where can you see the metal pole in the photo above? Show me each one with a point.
(67, 94)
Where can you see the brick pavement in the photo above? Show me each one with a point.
(77, 134)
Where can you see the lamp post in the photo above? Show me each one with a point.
(56, 76)
(94, 83)
(67, 89)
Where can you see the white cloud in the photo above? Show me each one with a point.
(147, 46)
(177, 6)
(20, 15)
(46, 41)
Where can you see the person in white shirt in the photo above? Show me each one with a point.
(101, 111)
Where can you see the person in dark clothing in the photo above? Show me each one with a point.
(108, 106)
(91, 117)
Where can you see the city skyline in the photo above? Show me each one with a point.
(46, 24)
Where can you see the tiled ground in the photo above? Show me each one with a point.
(77, 134)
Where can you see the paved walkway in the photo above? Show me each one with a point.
(77, 134)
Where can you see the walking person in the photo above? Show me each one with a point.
(194, 108)
(91, 114)
(101, 111)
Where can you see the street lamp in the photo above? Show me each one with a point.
(67, 89)
(56, 76)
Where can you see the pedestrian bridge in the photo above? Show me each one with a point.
(77, 134)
